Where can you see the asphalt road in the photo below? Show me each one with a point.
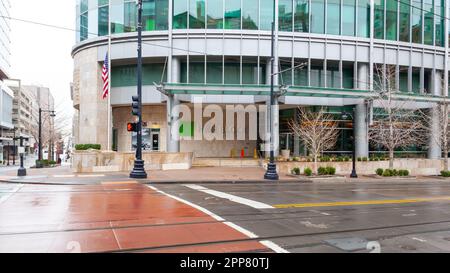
(333, 217)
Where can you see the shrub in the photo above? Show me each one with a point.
(307, 171)
(296, 159)
(359, 159)
(394, 172)
(403, 172)
(325, 159)
(445, 173)
(330, 170)
(387, 172)
(346, 158)
(296, 171)
(379, 171)
(52, 162)
(364, 159)
(322, 171)
(84, 147)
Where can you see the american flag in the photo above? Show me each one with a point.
(105, 77)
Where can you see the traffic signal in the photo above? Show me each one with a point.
(135, 106)
(132, 127)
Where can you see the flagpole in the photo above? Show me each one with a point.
(110, 78)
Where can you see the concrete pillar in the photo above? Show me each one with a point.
(360, 118)
(434, 149)
(173, 134)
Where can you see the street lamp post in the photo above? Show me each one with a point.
(14, 147)
(21, 171)
(352, 115)
(271, 173)
(52, 114)
(138, 171)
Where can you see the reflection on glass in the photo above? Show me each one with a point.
(439, 22)
(196, 14)
(391, 19)
(404, 21)
(317, 16)
(155, 14)
(117, 17)
(250, 14)
(266, 15)
(378, 24)
(233, 14)
(428, 30)
(285, 15)
(215, 14)
(416, 21)
(180, 13)
(130, 17)
(301, 17)
(333, 16)
(363, 18)
(103, 14)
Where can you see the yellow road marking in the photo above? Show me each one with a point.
(119, 182)
(357, 203)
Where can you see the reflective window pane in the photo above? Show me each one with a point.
(285, 15)
(333, 16)
(348, 17)
(233, 14)
(215, 14)
(103, 18)
(391, 19)
(416, 21)
(117, 16)
(378, 25)
(317, 16)
(84, 26)
(301, 15)
(404, 21)
(428, 31)
(250, 14)
(155, 14)
(196, 14)
(266, 14)
(363, 18)
(130, 17)
(180, 14)
(439, 22)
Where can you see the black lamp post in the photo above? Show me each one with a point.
(52, 114)
(21, 171)
(271, 173)
(345, 115)
(14, 147)
(138, 171)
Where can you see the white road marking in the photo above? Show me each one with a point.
(233, 198)
(276, 248)
(5, 197)
(309, 224)
(418, 239)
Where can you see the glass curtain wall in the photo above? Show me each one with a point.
(250, 14)
(285, 15)
(404, 21)
(416, 21)
(301, 15)
(197, 14)
(233, 14)
(84, 11)
(363, 24)
(391, 19)
(333, 17)
(428, 26)
(348, 17)
(214, 15)
(317, 16)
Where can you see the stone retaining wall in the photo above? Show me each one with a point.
(109, 161)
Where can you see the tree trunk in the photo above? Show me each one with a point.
(315, 164)
(445, 157)
(391, 159)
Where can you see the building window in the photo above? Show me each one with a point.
(378, 24)
(266, 14)
(180, 14)
(439, 21)
(250, 13)
(428, 27)
(333, 16)
(155, 14)
(130, 17)
(391, 19)
(348, 17)
(197, 14)
(416, 21)
(404, 21)
(363, 18)
(215, 14)
(317, 16)
(233, 14)
(301, 15)
(103, 19)
(285, 15)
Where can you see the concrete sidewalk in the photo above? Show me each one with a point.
(65, 176)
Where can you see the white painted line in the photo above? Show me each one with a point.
(271, 245)
(233, 198)
(418, 239)
(9, 194)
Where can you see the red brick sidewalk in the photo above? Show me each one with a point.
(110, 217)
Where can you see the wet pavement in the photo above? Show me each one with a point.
(125, 216)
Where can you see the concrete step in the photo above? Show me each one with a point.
(226, 162)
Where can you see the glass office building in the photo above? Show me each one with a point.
(321, 46)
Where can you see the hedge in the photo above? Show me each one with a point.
(84, 147)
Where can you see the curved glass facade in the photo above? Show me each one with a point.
(416, 21)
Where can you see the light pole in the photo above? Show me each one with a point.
(138, 171)
(21, 171)
(52, 114)
(345, 115)
(271, 173)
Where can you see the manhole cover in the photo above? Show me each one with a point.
(348, 244)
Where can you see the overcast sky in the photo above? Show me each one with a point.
(41, 55)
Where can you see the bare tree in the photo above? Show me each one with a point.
(397, 124)
(317, 130)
